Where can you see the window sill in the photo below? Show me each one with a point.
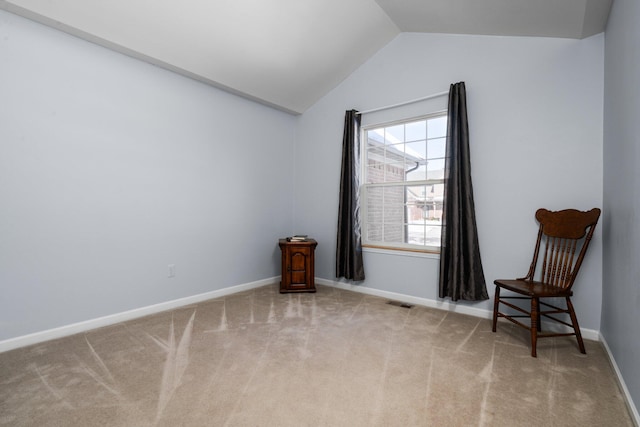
(409, 252)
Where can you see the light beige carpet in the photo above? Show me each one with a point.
(334, 358)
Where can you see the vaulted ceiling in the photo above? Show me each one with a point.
(289, 53)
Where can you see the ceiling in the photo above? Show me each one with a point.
(290, 53)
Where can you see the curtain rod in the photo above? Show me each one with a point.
(424, 98)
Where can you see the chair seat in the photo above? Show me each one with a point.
(533, 288)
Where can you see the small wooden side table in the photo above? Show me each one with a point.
(297, 265)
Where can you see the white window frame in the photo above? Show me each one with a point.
(365, 188)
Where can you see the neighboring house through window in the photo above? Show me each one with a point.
(403, 183)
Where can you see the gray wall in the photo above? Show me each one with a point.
(111, 169)
(621, 269)
(535, 114)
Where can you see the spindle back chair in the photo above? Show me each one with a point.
(563, 240)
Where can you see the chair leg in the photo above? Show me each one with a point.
(576, 328)
(496, 302)
(534, 326)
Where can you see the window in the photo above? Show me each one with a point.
(403, 186)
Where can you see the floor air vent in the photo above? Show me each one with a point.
(400, 304)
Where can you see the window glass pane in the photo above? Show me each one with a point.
(394, 172)
(375, 156)
(411, 162)
(394, 134)
(376, 135)
(374, 205)
(375, 151)
(393, 233)
(375, 172)
(432, 206)
(435, 194)
(415, 222)
(417, 149)
(416, 234)
(435, 169)
(394, 159)
(416, 130)
(416, 193)
(374, 232)
(415, 200)
(393, 209)
(395, 152)
(432, 235)
(437, 128)
(419, 174)
(436, 148)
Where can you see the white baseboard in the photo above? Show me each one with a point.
(442, 305)
(632, 407)
(589, 334)
(87, 325)
(99, 322)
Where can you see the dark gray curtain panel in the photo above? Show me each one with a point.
(349, 246)
(461, 273)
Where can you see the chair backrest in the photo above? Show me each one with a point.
(560, 235)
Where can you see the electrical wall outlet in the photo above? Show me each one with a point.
(172, 270)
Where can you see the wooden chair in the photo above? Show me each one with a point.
(560, 235)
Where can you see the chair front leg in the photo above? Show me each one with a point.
(576, 327)
(534, 325)
(496, 303)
